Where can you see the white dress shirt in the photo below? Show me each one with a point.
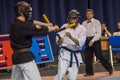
(93, 29)
(79, 33)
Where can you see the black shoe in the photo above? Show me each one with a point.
(111, 72)
(88, 74)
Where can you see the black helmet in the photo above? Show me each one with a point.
(23, 8)
(73, 14)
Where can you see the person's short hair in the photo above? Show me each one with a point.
(118, 22)
(103, 22)
(89, 10)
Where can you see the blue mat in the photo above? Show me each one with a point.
(116, 78)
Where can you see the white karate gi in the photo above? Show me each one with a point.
(64, 56)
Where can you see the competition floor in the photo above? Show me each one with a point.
(97, 76)
(50, 70)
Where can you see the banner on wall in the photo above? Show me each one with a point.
(5, 52)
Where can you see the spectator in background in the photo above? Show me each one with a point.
(105, 34)
(104, 30)
(117, 32)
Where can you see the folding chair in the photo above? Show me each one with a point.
(114, 44)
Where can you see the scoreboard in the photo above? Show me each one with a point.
(41, 49)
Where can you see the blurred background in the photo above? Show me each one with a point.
(105, 10)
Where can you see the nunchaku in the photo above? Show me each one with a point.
(57, 28)
(46, 18)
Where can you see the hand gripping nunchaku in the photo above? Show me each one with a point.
(57, 28)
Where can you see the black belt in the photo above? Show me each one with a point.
(22, 50)
(89, 37)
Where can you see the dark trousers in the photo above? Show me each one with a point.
(95, 49)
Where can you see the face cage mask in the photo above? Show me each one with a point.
(28, 14)
(73, 16)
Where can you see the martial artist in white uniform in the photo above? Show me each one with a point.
(71, 39)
